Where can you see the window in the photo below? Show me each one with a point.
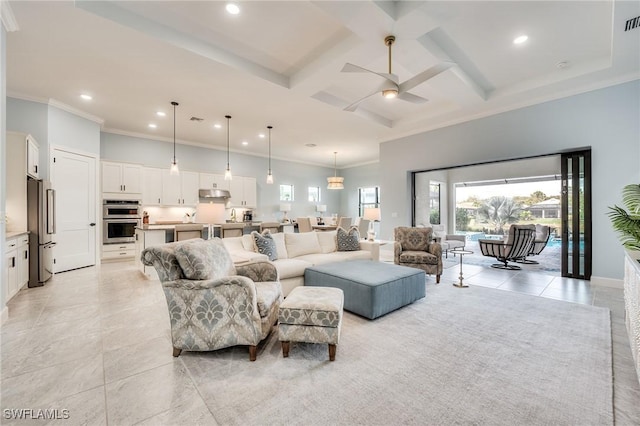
(314, 194)
(368, 197)
(434, 203)
(286, 192)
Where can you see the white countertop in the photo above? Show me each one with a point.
(13, 234)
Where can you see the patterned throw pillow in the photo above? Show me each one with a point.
(265, 244)
(348, 240)
(204, 260)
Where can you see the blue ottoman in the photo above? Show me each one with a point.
(371, 289)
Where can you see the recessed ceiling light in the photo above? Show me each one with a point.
(161, 114)
(245, 143)
(261, 135)
(233, 8)
(520, 39)
(152, 126)
(217, 126)
(86, 97)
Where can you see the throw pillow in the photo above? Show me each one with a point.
(204, 260)
(302, 243)
(265, 244)
(327, 240)
(348, 240)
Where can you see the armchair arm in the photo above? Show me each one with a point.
(258, 271)
(435, 249)
(495, 248)
(185, 284)
(456, 237)
(397, 249)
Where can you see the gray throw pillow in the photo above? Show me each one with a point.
(204, 260)
(348, 240)
(265, 244)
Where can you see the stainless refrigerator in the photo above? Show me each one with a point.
(41, 222)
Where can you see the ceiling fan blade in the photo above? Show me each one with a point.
(425, 75)
(354, 105)
(356, 68)
(414, 99)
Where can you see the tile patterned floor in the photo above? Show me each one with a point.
(93, 339)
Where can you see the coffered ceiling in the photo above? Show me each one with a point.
(279, 63)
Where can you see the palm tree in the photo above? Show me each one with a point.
(499, 211)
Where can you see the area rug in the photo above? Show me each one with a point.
(459, 356)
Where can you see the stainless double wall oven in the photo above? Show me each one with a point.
(120, 218)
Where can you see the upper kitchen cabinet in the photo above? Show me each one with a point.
(33, 157)
(122, 178)
(151, 186)
(15, 174)
(243, 191)
(213, 181)
(180, 190)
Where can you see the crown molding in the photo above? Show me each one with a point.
(8, 18)
(29, 98)
(75, 111)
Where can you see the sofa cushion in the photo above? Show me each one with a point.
(281, 247)
(418, 257)
(233, 244)
(265, 244)
(302, 243)
(204, 260)
(288, 268)
(328, 241)
(336, 256)
(348, 240)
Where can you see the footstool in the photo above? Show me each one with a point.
(311, 315)
(371, 289)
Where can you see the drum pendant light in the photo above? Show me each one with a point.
(174, 163)
(335, 181)
(227, 173)
(269, 175)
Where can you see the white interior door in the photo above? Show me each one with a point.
(73, 177)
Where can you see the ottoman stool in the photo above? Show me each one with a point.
(311, 315)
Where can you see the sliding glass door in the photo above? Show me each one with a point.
(576, 215)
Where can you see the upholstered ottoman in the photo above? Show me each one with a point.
(311, 315)
(371, 289)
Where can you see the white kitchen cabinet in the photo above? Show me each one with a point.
(33, 157)
(151, 186)
(243, 192)
(23, 260)
(15, 174)
(213, 181)
(147, 238)
(118, 251)
(180, 190)
(121, 178)
(11, 267)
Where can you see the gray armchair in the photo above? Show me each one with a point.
(514, 249)
(212, 304)
(414, 247)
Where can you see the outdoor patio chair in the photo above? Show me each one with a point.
(543, 232)
(516, 247)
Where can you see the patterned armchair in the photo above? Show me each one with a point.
(415, 247)
(212, 304)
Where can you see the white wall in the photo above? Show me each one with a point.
(3, 160)
(605, 120)
(155, 153)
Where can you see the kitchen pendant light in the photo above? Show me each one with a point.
(227, 173)
(174, 164)
(269, 175)
(335, 181)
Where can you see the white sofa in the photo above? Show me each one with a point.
(297, 252)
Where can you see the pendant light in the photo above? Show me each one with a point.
(269, 175)
(227, 173)
(335, 182)
(174, 164)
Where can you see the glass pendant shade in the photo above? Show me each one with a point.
(174, 163)
(269, 178)
(335, 181)
(227, 172)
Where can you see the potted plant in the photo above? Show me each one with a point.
(627, 222)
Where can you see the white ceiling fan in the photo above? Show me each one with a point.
(391, 87)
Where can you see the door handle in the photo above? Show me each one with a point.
(92, 224)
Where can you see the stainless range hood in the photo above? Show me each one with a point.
(222, 194)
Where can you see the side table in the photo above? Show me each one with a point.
(460, 283)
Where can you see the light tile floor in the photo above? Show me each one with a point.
(96, 342)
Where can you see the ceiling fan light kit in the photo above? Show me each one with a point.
(335, 181)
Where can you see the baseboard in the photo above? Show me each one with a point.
(607, 282)
(4, 316)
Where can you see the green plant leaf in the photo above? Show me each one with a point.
(627, 227)
(631, 199)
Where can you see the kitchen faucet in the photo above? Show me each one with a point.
(233, 215)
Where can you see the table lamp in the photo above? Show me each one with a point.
(321, 208)
(371, 214)
(285, 207)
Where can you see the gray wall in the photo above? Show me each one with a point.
(605, 120)
(31, 117)
(155, 153)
